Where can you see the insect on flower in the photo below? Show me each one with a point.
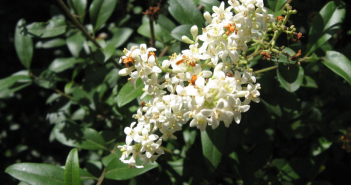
(186, 60)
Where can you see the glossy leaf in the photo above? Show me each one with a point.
(74, 135)
(325, 25)
(117, 170)
(14, 83)
(213, 145)
(208, 4)
(33, 173)
(339, 64)
(85, 175)
(309, 82)
(108, 51)
(78, 8)
(75, 43)
(162, 29)
(52, 28)
(119, 36)
(47, 80)
(129, 93)
(72, 169)
(57, 42)
(290, 76)
(62, 64)
(276, 5)
(181, 30)
(186, 12)
(100, 11)
(23, 45)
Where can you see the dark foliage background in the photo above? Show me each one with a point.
(25, 131)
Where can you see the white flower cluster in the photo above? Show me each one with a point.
(202, 84)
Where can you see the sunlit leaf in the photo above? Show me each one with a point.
(33, 173)
(129, 93)
(326, 24)
(339, 64)
(72, 169)
(23, 45)
(186, 12)
(14, 83)
(100, 11)
(61, 64)
(119, 36)
(75, 42)
(52, 28)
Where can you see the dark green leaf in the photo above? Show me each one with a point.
(326, 24)
(78, 8)
(72, 169)
(58, 42)
(85, 175)
(40, 174)
(321, 145)
(213, 145)
(61, 64)
(181, 30)
(73, 135)
(23, 45)
(120, 36)
(276, 5)
(309, 82)
(290, 76)
(109, 51)
(162, 31)
(52, 28)
(208, 4)
(117, 170)
(339, 64)
(75, 43)
(100, 11)
(186, 12)
(129, 93)
(47, 80)
(14, 83)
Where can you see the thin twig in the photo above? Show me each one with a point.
(152, 33)
(63, 94)
(265, 69)
(163, 52)
(76, 23)
(199, 7)
(101, 178)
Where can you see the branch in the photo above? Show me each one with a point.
(101, 178)
(266, 69)
(163, 52)
(76, 23)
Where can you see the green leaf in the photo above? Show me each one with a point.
(119, 36)
(14, 83)
(276, 5)
(213, 145)
(78, 8)
(129, 93)
(181, 30)
(52, 28)
(74, 135)
(85, 175)
(186, 12)
(23, 45)
(33, 173)
(100, 11)
(290, 76)
(58, 42)
(339, 64)
(109, 51)
(117, 170)
(162, 29)
(208, 4)
(75, 43)
(326, 24)
(61, 64)
(72, 169)
(309, 82)
(47, 80)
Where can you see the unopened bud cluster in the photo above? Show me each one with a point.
(204, 85)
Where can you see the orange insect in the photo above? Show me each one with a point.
(294, 58)
(297, 37)
(265, 56)
(186, 60)
(151, 53)
(231, 28)
(193, 80)
(280, 18)
(127, 60)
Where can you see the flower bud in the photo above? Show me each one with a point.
(194, 31)
(208, 17)
(294, 11)
(187, 40)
